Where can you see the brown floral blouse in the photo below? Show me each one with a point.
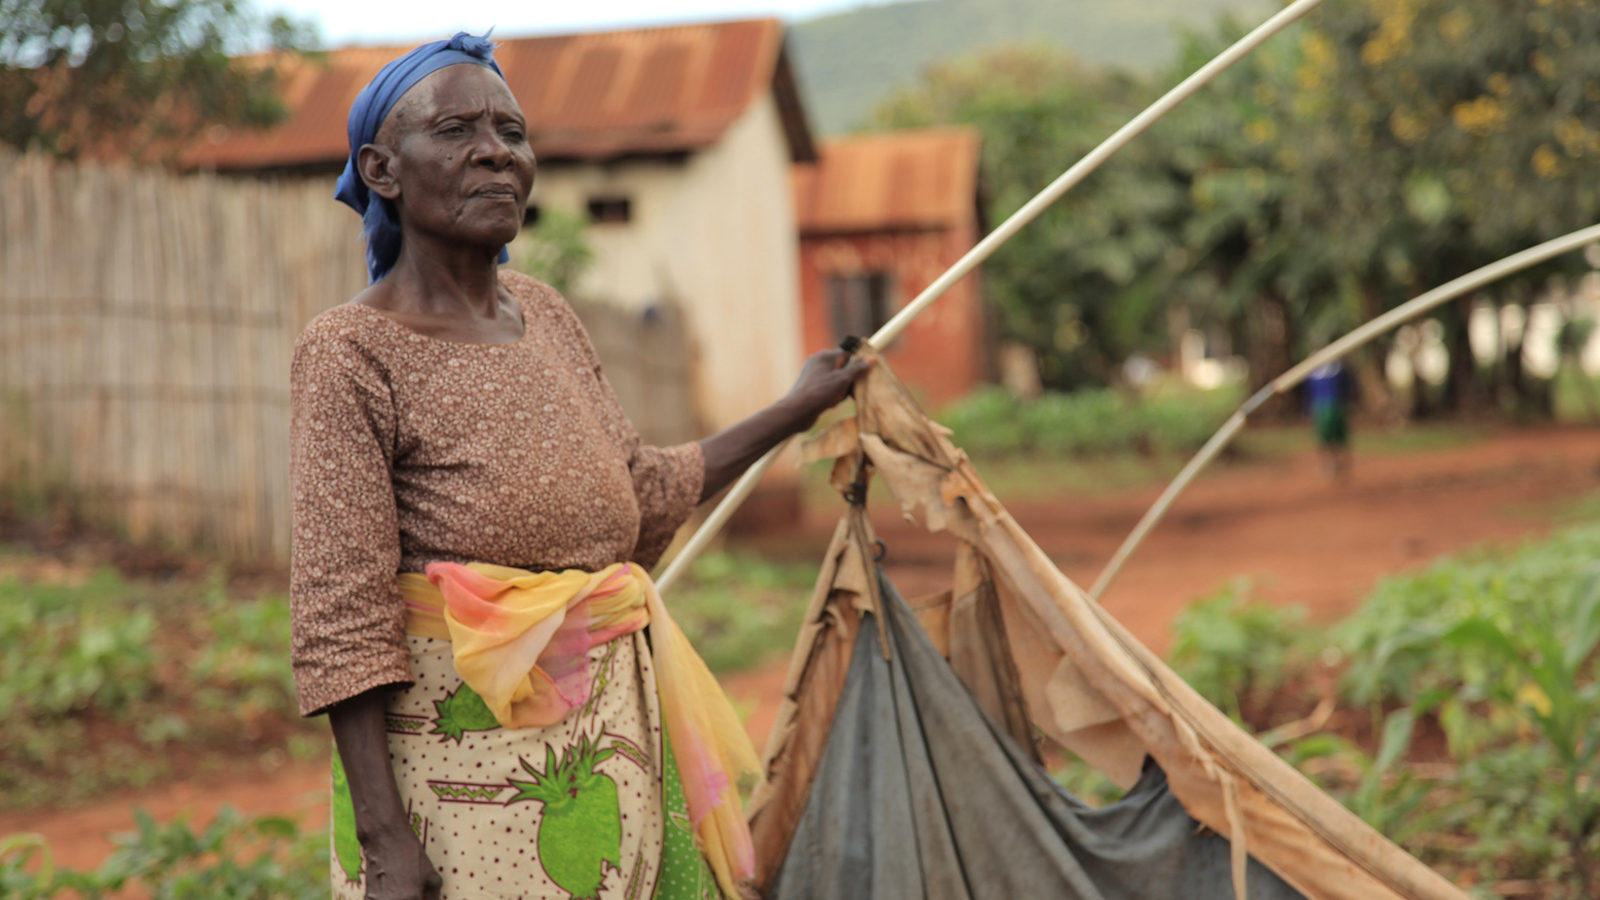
(407, 450)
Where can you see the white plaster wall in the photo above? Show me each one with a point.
(715, 232)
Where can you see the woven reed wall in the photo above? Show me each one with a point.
(146, 325)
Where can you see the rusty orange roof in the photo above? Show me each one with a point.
(924, 178)
(586, 96)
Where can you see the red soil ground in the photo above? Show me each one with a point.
(1300, 537)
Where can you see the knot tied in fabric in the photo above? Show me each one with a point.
(378, 222)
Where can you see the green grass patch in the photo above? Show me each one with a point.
(1174, 420)
(740, 610)
(235, 858)
(1575, 397)
(1492, 654)
(112, 683)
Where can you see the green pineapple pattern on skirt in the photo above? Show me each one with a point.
(580, 829)
(483, 799)
(461, 712)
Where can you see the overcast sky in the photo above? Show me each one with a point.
(400, 21)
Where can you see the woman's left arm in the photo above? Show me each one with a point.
(669, 482)
(824, 382)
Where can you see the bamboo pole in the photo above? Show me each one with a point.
(964, 266)
(1288, 380)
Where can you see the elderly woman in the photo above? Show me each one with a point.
(514, 713)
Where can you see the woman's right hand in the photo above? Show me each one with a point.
(398, 869)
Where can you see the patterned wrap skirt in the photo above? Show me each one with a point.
(589, 807)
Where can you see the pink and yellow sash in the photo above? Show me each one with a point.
(521, 640)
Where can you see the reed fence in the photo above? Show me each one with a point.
(146, 325)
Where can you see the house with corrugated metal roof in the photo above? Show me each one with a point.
(675, 142)
(882, 216)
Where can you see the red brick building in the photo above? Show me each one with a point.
(881, 216)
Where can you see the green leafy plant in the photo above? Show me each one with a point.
(69, 648)
(243, 661)
(739, 609)
(1380, 788)
(556, 250)
(267, 858)
(18, 878)
(1544, 668)
(1395, 640)
(138, 669)
(1496, 649)
(1089, 422)
(1502, 647)
(1235, 652)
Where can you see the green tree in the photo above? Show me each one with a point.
(1385, 149)
(1444, 134)
(1233, 263)
(1038, 111)
(136, 77)
(1379, 149)
(556, 250)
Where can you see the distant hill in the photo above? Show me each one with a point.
(849, 61)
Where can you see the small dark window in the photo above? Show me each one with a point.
(860, 304)
(610, 210)
(530, 216)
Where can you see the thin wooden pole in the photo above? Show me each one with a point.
(1288, 380)
(964, 266)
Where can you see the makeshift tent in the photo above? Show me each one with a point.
(891, 773)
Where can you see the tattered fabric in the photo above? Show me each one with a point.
(921, 796)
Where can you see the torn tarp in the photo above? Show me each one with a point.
(919, 794)
(1047, 662)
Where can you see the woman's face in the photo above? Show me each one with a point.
(461, 160)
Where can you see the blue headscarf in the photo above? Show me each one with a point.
(372, 106)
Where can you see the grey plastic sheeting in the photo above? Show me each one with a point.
(920, 795)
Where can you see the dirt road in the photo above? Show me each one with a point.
(1298, 536)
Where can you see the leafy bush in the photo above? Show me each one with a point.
(1544, 667)
(1500, 650)
(243, 659)
(993, 422)
(1395, 642)
(1236, 653)
(96, 677)
(556, 250)
(737, 610)
(234, 858)
(65, 649)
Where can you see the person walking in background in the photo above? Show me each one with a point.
(1327, 396)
